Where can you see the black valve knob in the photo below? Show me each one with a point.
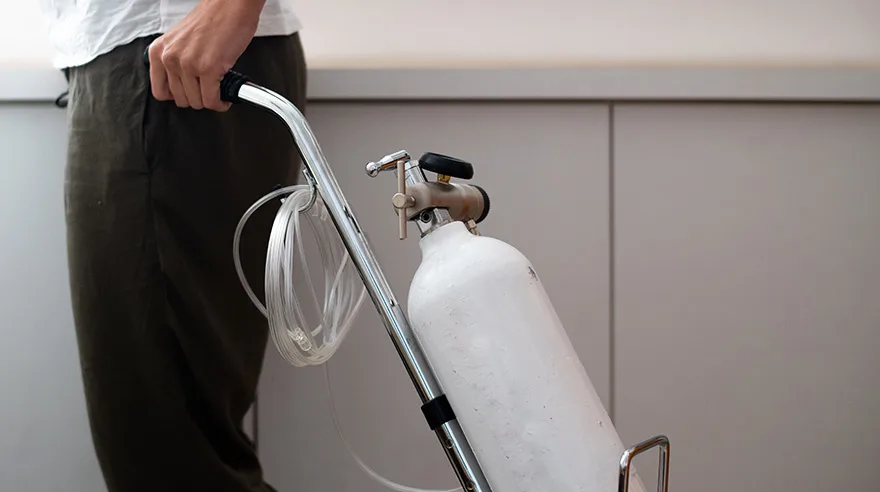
(449, 166)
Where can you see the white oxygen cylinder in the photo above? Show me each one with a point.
(508, 368)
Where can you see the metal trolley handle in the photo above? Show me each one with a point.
(663, 471)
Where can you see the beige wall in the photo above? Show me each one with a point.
(423, 32)
(490, 32)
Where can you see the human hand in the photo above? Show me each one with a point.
(188, 62)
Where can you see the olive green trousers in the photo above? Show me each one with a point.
(171, 347)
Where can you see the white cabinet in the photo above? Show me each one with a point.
(46, 444)
(747, 292)
(545, 167)
(738, 245)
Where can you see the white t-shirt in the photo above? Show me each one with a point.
(81, 30)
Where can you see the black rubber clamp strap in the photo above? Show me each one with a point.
(230, 85)
(438, 412)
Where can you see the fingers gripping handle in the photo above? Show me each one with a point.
(229, 86)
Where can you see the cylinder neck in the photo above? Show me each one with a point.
(444, 236)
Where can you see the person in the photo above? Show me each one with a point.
(159, 171)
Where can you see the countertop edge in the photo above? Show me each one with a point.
(859, 84)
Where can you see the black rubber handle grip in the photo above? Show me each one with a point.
(229, 86)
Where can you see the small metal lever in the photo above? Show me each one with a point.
(401, 200)
(387, 163)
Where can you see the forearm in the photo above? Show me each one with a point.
(247, 11)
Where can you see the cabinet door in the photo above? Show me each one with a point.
(46, 442)
(747, 293)
(545, 167)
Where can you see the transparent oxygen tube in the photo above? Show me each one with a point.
(299, 343)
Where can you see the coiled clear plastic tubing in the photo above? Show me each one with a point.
(344, 293)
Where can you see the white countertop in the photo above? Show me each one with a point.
(39, 83)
